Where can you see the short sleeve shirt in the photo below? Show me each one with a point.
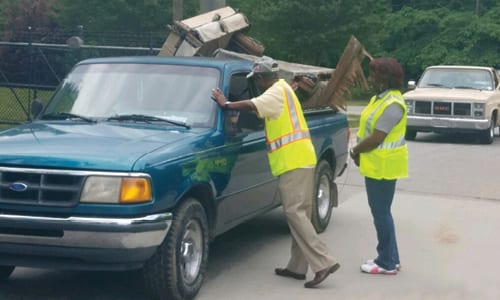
(389, 118)
(270, 103)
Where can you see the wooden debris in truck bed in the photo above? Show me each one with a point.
(288, 70)
(347, 74)
(203, 34)
(222, 33)
(308, 81)
(319, 87)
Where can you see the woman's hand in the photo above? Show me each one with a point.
(355, 157)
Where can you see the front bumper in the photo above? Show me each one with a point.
(80, 242)
(446, 124)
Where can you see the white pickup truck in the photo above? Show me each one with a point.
(454, 99)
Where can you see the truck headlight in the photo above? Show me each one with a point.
(116, 190)
(478, 110)
(409, 106)
(478, 106)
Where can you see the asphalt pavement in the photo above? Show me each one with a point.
(354, 109)
(446, 217)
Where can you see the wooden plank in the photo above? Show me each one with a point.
(170, 45)
(208, 17)
(347, 73)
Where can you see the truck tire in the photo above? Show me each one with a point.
(177, 269)
(410, 134)
(324, 193)
(486, 136)
(5, 272)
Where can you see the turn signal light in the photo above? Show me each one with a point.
(135, 190)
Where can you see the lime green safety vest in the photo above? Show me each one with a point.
(390, 159)
(288, 141)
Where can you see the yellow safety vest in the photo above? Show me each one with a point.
(288, 142)
(390, 159)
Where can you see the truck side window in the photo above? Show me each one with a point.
(240, 89)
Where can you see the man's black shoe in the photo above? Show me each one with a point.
(321, 275)
(287, 273)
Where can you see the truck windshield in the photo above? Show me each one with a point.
(173, 92)
(455, 78)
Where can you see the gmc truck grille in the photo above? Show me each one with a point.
(28, 187)
(442, 108)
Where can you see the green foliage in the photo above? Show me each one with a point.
(418, 33)
(419, 38)
(19, 14)
(298, 31)
(456, 5)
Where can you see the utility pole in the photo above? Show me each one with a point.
(177, 10)
(208, 5)
(477, 7)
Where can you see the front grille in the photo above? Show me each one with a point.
(443, 108)
(423, 107)
(462, 109)
(29, 187)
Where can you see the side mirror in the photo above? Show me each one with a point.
(36, 108)
(411, 84)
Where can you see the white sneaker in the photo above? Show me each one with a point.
(371, 261)
(373, 268)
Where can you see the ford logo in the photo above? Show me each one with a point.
(18, 187)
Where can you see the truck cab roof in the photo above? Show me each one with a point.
(219, 63)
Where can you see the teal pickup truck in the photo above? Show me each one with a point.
(131, 165)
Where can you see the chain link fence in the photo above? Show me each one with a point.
(33, 62)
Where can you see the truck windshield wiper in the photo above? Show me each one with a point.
(435, 84)
(147, 119)
(65, 116)
(465, 87)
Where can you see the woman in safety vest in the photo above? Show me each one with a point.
(292, 158)
(382, 156)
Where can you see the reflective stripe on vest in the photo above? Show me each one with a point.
(384, 145)
(369, 120)
(392, 145)
(297, 131)
(390, 159)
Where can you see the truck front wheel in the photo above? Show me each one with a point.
(324, 193)
(5, 271)
(410, 134)
(177, 269)
(486, 136)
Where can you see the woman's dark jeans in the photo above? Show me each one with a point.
(380, 194)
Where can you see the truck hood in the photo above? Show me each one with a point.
(96, 146)
(447, 94)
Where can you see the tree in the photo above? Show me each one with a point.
(313, 33)
(456, 5)
(419, 38)
(32, 21)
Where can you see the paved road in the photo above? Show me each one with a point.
(447, 218)
(354, 110)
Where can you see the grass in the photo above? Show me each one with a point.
(14, 109)
(353, 120)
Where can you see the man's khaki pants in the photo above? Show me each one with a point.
(296, 189)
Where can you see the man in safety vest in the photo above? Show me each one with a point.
(292, 158)
(382, 156)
